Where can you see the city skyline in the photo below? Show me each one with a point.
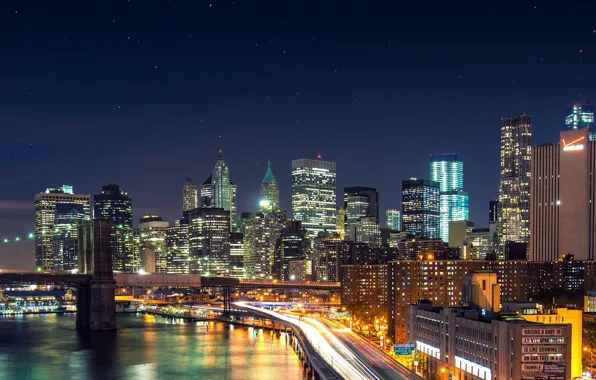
(309, 79)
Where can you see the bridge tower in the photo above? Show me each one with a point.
(96, 309)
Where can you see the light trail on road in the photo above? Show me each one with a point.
(331, 349)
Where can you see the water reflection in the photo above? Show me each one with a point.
(40, 347)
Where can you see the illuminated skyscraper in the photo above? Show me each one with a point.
(580, 115)
(152, 234)
(314, 194)
(340, 223)
(448, 171)
(393, 219)
(57, 213)
(177, 249)
(115, 205)
(190, 196)
(269, 194)
(209, 241)
(260, 233)
(514, 188)
(420, 207)
(219, 192)
(359, 202)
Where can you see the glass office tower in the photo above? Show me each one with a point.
(448, 171)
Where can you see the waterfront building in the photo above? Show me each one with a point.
(359, 202)
(420, 207)
(563, 211)
(269, 191)
(220, 192)
(190, 196)
(115, 205)
(57, 213)
(448, 171)
(514, 187)
(393, 219)
(314, 194)
(209, 241)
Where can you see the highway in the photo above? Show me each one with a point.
(375, 359)
(331, 349)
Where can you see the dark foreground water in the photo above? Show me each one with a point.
(40, 347)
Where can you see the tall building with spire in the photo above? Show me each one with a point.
(219, 192)
(514, 187)
(190, 196)
(269, 193)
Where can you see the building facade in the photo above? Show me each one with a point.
(190, 195)
(359, 202)
(260, 234)
(176, 257)
(152, 233)
(57, 213)
(514, 187)
(448, 171)
(466, 345)
(269, 191)
(439, 281)
(393, 218)
(314, 195)
(209, 241)
(115, 205)
(420, 207)
(220, 192)
(563, 210)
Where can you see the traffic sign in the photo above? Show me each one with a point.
(404, 349)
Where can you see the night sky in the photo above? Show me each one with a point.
(143, 93)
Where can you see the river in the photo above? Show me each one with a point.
(145, 347)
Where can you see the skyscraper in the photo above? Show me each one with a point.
(514, 187)
(115, 205)
(190, 196)
(359, 202)
(219, 192)
(580, 115)
(291, 245)
(563, 187)
(269, 193)
(314, 194)
(420, 207)
(393, 219)
(177, 249)
(151, 234)
(448, 171)
(260, 233)
(57, 213)
(209, 241)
